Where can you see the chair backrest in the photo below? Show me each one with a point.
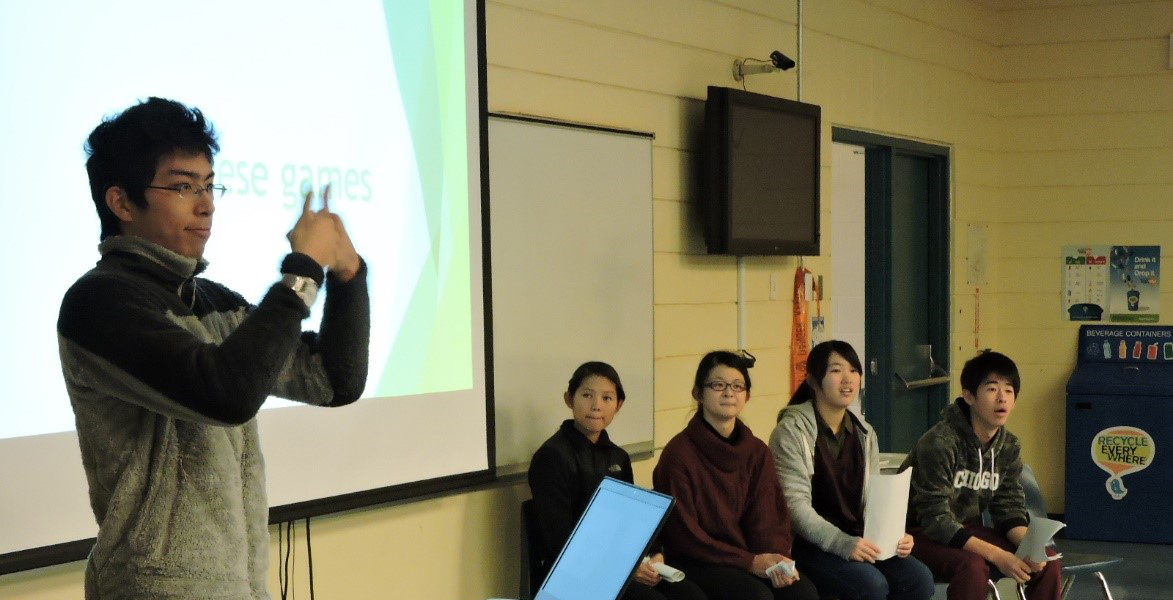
(531, 562)
(1034, 495)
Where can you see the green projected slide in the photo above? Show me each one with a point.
(369, 97)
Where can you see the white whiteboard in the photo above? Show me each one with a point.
(571, 248)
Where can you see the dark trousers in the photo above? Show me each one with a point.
(967, 573)
(684, 590)
(720, 582)
(892, 579)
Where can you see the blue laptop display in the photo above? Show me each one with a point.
(606, 546)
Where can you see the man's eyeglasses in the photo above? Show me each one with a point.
(719, 386)
(214, 191)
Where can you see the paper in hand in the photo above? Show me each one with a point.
(785, 565)
(1038, 536)
(887, 507)
(668, 573)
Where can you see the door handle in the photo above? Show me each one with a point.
(937, 375)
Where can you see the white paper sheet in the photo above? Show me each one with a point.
(1038, 536)
(887, 507)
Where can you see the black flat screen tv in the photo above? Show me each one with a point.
(760, 174)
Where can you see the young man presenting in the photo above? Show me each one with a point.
(166, 370)
(966, 464)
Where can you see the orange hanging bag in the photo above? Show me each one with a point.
(800, 334)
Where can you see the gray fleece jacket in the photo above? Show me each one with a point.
(166, 372)
(793, 446)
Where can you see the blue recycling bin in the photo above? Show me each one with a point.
(1119, 484)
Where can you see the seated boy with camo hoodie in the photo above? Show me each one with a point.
(964, 465)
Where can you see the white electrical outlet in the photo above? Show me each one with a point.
(773, 286)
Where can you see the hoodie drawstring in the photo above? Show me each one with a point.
(981, 463)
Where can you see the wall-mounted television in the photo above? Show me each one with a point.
(761, 174)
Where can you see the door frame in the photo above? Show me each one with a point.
(878, 151)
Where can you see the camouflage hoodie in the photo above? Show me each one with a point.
(955, 480)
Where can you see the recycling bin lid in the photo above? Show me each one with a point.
(1124, 360)
(1105, 379)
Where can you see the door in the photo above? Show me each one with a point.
(906, 286)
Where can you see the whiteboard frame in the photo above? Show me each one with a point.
(570, 212)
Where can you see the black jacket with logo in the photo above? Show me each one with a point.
(563, 475)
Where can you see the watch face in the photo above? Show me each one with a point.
(305, 287)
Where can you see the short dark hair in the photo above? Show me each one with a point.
(596, 368)
(124, 150)
(816, 366)
(987, 363)
(718, 358)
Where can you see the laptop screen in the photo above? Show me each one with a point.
(611, 538)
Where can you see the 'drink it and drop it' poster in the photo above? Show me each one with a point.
(1120, 284)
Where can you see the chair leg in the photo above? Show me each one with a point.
(1067, 581)
(993, 590)
(1021, 589)
(1104, 586)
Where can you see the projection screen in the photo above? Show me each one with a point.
(384, 100)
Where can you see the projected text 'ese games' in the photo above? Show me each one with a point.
(247, 178)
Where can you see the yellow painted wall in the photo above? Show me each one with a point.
(1086, 156)
(1057, 117)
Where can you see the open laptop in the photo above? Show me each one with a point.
(610, 540)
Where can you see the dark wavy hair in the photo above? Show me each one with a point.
(124, 150)
(597, 368)
(816, 366)
(718, 358)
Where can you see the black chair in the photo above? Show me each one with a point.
(1074, 564)
(531, 562)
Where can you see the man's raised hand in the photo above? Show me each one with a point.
(316, 232)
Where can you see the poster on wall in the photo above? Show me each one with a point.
(1120, 284)
(1085, 282)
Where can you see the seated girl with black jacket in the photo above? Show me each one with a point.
(567, 468)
